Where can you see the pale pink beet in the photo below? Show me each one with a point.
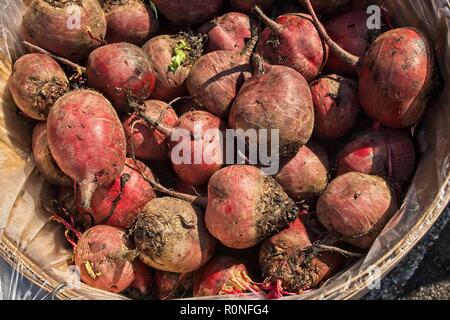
(336, 106)
(142, 285)
(170, 285)
(245, 206)
(144, 141)
(188, 12)
(122, 72)
(36, 82)
(78, 124)
(386, 153)
(101, 255)
(247, 6)
(356, 206)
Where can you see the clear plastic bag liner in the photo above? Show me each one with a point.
(35, 246)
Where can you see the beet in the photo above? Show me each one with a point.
(293, 41)
(386, 153)
(46, 24)
(142, 285)
(119, 204)
(122, 72)
(283, 96)
(220, 276)
(228, 32)
(245, 206)
(171, 58)
(44, 159)
(170, 235)
(101, 255)
(336, 106)
(395, 76)
(86, 140)
(328, 7)
(188, 12)
(170, 285)
(130, 21)
(357, 206)
(247, 6)
(289, 263)
(66, 201)
(216, 77)
(36, 82)
(142, 140)
(305, 176)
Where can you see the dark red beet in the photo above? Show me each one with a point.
(293, 41)
(86, 140)
(228, 32)
(129, 21)
(386, 153)
(169, 285)
(142, 140)
(120, 71)
(188, 12)
(328, 7)
(336, 106)
(142, 285)
(185, 188)
(247, 6)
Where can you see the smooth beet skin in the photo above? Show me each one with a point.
(247, 6)
(86, 140)
(36, 82)
(191, 12)
(46, 24)
(122, 72)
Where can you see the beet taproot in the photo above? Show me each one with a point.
(191, 12)
(36, 82)
(247, 6)
(170, 235)
(86, 140)
(71, 29)
(245, 206)
(171, 285)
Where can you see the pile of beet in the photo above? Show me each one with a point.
(117, 102)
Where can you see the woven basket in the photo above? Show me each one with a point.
(35, 246)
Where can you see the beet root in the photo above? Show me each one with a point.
(283, 96)
(184, 12)
(101, 255)
(385, 153)
(170, 285)
(289, 264)
(170, 235)
(78, 123)
(356, 206)
(293, 41)
(228, 32)
(129, 21)
(53, 26)
(122, 72)
(336, 106)
(144, 141)
(220, 276)
(36, 82)
(328, 7)
(305, 176)
(245, 207)
(247, 6)
(142, 285)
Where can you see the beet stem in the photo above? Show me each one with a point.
(156, 124)
(343, 252)
(347, 57)
(274, 26)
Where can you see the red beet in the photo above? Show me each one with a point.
(293, 41)
(289, 264)
(305, 176)
(36, 82)
(119, 204)
(101, 255)
(142, 140)
(386, 153)
(283, 96)
(188, 12)
(130, 21)
(71, 32)
(122, 72)
(185, 188)
(245, 206)
(220, 276)
(228, 32)
(247, 6)
(170, 285)
(395, 76)
(170, 236)
(171, 58)
(336, 106)
(357, 207)
(328, 7)
(86, 140)
(142, 285)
